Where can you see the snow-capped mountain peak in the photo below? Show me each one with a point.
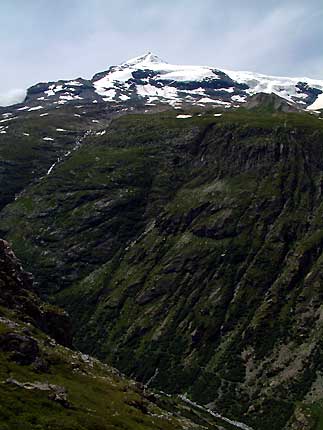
(152, 80)
(145, 59)
(148, 80)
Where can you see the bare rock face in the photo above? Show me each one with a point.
(57, 393)
(270, 102)
(16, 292)
(12, 277)
(23, 349)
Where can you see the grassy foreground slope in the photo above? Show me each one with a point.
(45, 385)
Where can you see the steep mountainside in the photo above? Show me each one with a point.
(47, 386)
(186, 247)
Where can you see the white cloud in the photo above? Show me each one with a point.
(12, 96)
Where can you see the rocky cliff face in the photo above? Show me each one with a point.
(18, 295)
(186, 247)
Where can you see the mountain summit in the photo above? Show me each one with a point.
(144, 59)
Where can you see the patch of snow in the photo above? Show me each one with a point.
(8, 119)
(152, 99)
(109, 94)
(24, 108)
(239, 99)
(115, 74)
(217, 114)
(44, 114)
(227, 90)
(220, 102)
(48, 138)
(318, 104)
(204, 100)
(184, 116)
(189, 73)
(51, 168)
(53, 89)
(75, 83)
(69, 97)
(124, 97)
(151, 91)
(26, 134)
(207, 100)
(197, 91)
(35, 108)
(60, 129)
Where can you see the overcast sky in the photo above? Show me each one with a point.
(44, 40)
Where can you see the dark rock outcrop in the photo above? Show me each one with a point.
(270, 103)
(23, 349)
(16, 293)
